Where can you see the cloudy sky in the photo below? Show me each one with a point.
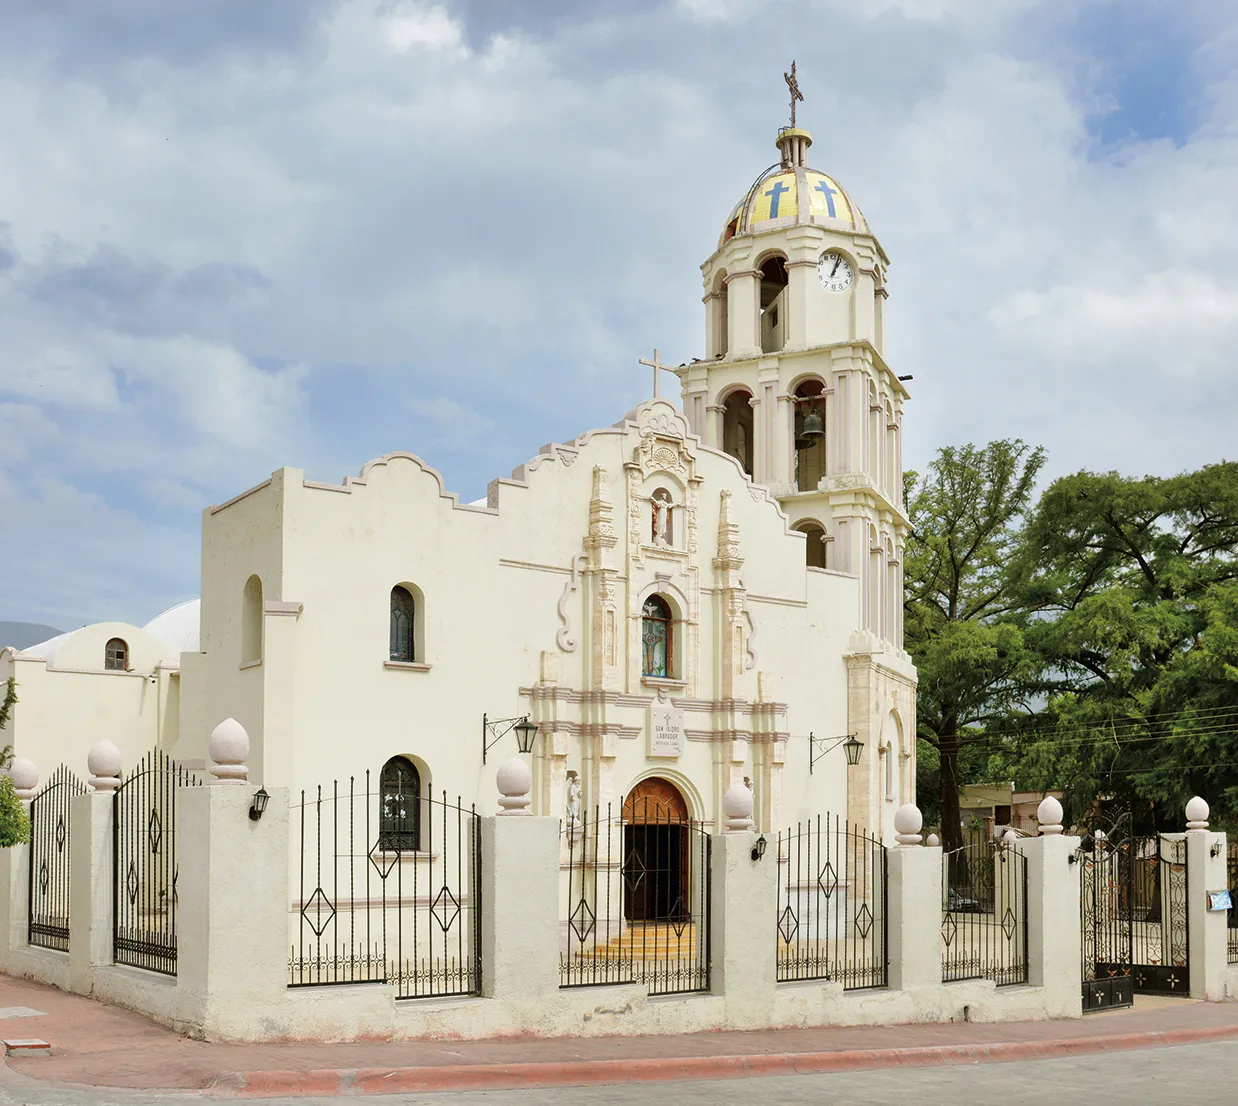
(239, 234)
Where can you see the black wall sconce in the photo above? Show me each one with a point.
(758, 848)
(493, 731)
(259, 805)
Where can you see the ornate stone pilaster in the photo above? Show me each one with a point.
(733, 628)
(602, 538)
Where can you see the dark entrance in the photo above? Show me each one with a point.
(1133, 914)
(655, 853)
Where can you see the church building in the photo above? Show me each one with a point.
(681, 601)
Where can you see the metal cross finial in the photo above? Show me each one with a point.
(655, 364)
(794, 86)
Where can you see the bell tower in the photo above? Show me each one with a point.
(795, 386)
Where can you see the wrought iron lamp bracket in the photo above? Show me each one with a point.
(493, 730)
(819, 746)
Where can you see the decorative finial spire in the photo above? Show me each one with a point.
(794, 85)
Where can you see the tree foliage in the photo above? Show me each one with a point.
(14, 821)
(6, 711)
(965, 603)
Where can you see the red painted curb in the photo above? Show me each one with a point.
(463, 1077)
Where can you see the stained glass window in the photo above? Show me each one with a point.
(402, 617)
(399, 817)
(656, 637)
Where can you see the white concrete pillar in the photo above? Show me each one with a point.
(743, 902)
(91, 882)
(1053, 950)
(14, 890)
(1207, 930)
(520, 911)
(232, 917)
(743, 315)
(914, 916)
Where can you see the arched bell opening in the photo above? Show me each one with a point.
(809, 435)
(814, 543)
(773, 303)
(737, 427)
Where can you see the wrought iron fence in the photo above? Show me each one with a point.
(388, 890)
(984, 914)
(1231, 872)
(1105, 917)
(831, 904)
(145, 867)
(48, 910)
(1158, 912)
(636, 900)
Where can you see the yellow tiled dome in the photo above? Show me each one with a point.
(788, 194)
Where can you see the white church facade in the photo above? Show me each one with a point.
(680, 602)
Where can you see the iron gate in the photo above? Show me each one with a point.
(144, 862)
(637, 901)
(389, 889)
(48, 910)
(984, 914)
(1133, 919)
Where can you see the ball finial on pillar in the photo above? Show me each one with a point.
(1049, 815)
(932, 840)
(907, 823)
(737, 808)
(25, 777)
(1197, 814)
(515, 780)
(228, 746)
(103, 760)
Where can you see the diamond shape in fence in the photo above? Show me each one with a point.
(61, 834)
(154, 831)
(44, 876)
(383, 859)
(1009, 925)
(828, 880)
(679, 916)
(863, 921)
(445, 908)
(949, 927)
(318, 911)
(582, 921)
(634, 871)
(788, 924)
(131, 883)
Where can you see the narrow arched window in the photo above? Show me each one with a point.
(399, 814)
(251, 621)
(403, 621)
(656, 638)
(116, 655)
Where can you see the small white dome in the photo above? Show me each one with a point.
(178, 629)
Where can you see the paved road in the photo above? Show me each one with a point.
(1190, 1074)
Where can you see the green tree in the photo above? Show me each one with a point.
(6, 710)
(1136, 582)
(966, 605)
(14, 821)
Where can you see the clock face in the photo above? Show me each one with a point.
(835, 272)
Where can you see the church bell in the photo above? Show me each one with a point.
(811, 432)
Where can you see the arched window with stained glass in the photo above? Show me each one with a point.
(399, 815)
(656, 638)
(403, 621)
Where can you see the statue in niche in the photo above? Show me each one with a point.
(662, 523)
(573, 799)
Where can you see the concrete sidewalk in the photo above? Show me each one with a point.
(94, 1045)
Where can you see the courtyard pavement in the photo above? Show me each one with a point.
(98, 1046)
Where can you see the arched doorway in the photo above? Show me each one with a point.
(655, 853)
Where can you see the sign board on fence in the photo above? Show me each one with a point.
(666, 736)
(1218, 900)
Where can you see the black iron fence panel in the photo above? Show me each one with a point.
(1231, 871)
(388, 889)
(831, 904)
(1158, 910)
(145, 866)
(48, 910)
(1106, 942)
(984, 914)
(636, 900)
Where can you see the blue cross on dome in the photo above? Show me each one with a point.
(829, 193)
(775, 194)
